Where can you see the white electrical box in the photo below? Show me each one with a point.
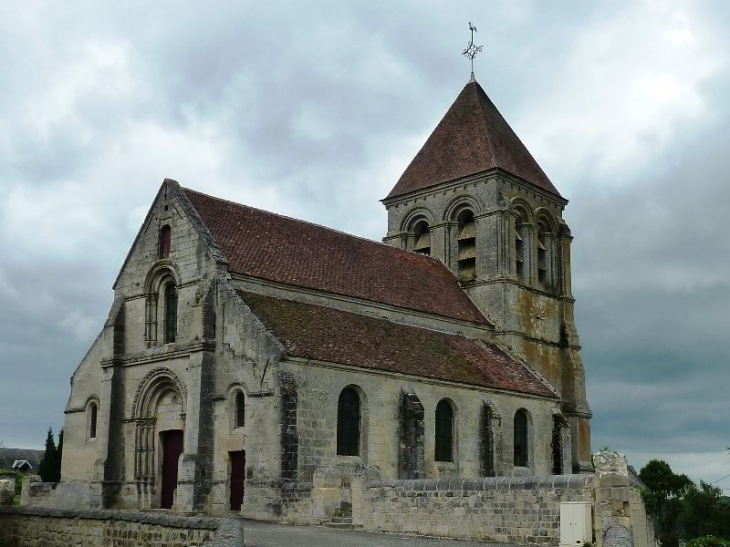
(576, 525)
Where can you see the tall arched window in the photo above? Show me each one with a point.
(93, 411)
(348, 423)
(170, 312)
(444, 432)
(520, 432)
(165, 241)
(240, 416)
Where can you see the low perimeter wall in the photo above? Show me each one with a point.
(47, 527)
(524, 510)
(505, 510)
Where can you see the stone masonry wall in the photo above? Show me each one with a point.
(504, 509)
(36, 527)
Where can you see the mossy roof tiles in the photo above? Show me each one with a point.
(325, 334)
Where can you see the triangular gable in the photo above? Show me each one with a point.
(472, 138)
(173, 189)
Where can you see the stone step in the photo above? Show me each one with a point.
(339, 522)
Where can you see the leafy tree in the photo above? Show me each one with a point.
(662, 496)
(705, 512)
(50, 466)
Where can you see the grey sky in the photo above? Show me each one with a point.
(313, 110)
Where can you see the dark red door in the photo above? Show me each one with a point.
(238, 474)
(172, 447)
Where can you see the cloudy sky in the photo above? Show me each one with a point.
(313, 110)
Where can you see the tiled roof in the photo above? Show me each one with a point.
(280, 249)
(471, 138)
(325, 334)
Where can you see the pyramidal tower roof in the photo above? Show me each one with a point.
(471, 138)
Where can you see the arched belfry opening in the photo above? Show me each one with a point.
(421, 237)
(466, 242)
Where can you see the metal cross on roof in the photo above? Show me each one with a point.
(472, 50)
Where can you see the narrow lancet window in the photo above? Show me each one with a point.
(520, 433)
(93, 410)
(165, 241)
(170, 313)
(240, 409)
(444, 432)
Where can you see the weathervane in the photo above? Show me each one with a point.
(472, 50)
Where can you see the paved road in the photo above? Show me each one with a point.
(265, 534)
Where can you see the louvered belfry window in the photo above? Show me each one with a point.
(422, 242)
(466, 246)
(348, 423)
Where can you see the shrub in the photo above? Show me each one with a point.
(708, 541)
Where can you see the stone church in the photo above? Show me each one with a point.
(246, 352)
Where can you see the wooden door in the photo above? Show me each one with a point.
(238, 475)
(172, 447)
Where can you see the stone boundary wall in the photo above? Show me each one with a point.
(503, 509)
(48, 527)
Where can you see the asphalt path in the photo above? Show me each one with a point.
(266, 534)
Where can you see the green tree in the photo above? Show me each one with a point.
(663, 498)
(50, 466)
(705, 512)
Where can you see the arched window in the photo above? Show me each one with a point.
(520, 432)
(466, 244)
(93, 410)
(522, 268)
(348, 423)
(422, 237)
(544, 258)
(165, 241)
(240, 404)
(444, 432)
(170, 313)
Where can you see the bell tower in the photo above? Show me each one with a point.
(475, 199)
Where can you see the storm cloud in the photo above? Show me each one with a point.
(314, 109)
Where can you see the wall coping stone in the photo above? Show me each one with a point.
(143, 517)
